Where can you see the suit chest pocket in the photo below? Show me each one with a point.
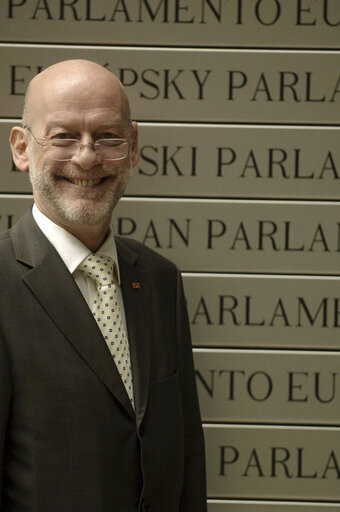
(167, 388)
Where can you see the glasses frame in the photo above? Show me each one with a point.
(79, 146)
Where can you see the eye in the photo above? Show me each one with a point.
(107, 135)
(62, 135)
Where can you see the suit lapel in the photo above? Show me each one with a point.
(60, 297)
(137, 295)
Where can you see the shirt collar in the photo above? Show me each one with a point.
(71, 250)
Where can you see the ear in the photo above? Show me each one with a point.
(18, 142)
(134, 144)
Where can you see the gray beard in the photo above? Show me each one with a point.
(81, 211)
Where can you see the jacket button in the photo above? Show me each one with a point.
(145, 506)
(141, 433)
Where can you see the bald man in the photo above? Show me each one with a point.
(98, 405)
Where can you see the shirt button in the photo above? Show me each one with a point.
(145, 506)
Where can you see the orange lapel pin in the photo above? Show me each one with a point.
(136, 285)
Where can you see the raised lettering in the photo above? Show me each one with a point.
(262, 234)
(209, 388)
(280, 456)
(70, 4)
(268, 386)
(184, 236)
(275, 4)
(230, 309)
(284, 85)
(329, 165)
(42, 5)
(254, 462)
(226, 459)
(217, 11)
(220, 159)
(262, 86)
(326, 15)
(212, 233)
(200, 82)
(235, 83)
(317, 389)
(279, 312)
(11, 4)
(300, 466)
(309, 87)
(202, 310)
(300, 10)
(151, 233)
(302, 306)
(319, 238)
(333, 465)
(287, 246)
(120, 7)
(292, 385)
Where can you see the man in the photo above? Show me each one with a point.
(78, 432)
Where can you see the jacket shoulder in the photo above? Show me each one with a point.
(147, 257)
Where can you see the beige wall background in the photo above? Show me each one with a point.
(238, 183)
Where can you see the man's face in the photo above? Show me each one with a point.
(85, 189)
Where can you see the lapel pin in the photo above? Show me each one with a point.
(136, 285)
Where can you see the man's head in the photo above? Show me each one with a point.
(79, 100)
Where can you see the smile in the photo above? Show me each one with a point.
(85, 183)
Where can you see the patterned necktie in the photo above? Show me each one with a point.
(106, 312)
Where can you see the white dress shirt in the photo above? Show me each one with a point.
(72, 251)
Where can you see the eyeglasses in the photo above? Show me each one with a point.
(64, 149)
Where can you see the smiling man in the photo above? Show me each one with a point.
(98, 405)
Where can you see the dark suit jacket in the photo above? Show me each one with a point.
(69, 438)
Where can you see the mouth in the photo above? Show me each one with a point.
(85, 183)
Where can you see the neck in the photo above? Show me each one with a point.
(91, 236)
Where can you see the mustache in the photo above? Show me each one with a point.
(72, 171)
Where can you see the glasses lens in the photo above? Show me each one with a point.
(112, 149)
(108, 149)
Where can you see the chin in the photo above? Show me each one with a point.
(80, 212)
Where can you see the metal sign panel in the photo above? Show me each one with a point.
(269, 506)
(248, 236)
(196, 85)
(11, 180)
(208, 22)
(221, 161)
(12, 208)
(268, 386)
(238, 161)
(228, 236)
(292, 463)
(264, 311)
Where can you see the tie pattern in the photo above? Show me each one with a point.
(106, 312)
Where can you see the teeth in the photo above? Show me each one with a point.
(85, 183)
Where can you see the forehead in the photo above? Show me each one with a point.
(72, 100)
(82, 117)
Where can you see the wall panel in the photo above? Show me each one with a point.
(197, 85)
(290, 463)
(222, 161)
(268, 386)
(269, 506)
(264, 311)
(209, 23)
(230, 236)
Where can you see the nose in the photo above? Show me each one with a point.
(85, 156)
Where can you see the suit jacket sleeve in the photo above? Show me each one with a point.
(5, 398)
(194, 487)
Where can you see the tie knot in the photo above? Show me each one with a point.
(99, 268)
